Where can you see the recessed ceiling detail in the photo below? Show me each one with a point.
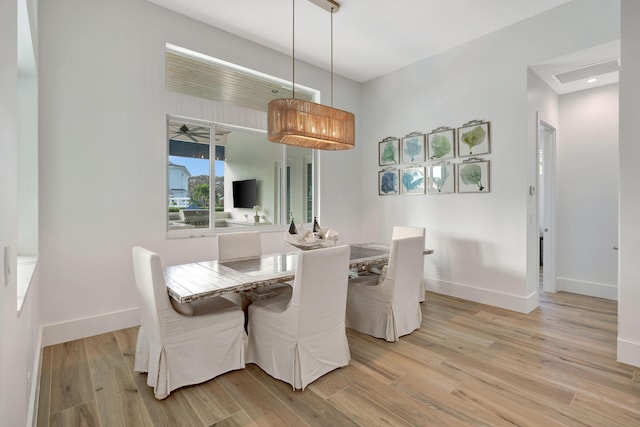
(588, 71)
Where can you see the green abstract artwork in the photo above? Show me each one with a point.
(474, 139)
(388, 151)
(474, 177)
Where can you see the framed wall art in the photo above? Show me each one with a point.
(441, 179)
(441, 143)
(388, 151)
(413, 150)
(412, 180)
(388, 182)
(474, 138)
(473, 176)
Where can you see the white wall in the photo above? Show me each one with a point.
(103, 130)
(587, 205)
(481, 241)
(28, 162)
(629, 231)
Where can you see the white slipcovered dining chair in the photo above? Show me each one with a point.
(177, 350)
(301, 338)
(401, 231)
(387, 306)
(239, 245)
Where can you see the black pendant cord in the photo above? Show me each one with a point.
(331, 13)
(293, 51)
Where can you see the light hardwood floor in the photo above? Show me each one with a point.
(469, 364)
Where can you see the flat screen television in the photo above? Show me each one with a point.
(245, 193)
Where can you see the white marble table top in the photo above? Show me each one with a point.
(198, 280)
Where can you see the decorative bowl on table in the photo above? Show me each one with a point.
(309, 240)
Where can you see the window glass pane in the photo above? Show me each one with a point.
(288, 195)
(249, 186)
(250, 157)
(188, 175)
(219, 176)
(299, 190)
(309, 191)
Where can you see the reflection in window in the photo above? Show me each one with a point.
(240, 155)
(189, 175)
(309, 178)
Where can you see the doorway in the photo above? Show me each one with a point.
(546, 204)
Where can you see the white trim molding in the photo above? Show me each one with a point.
(628, 352)
(518, 303)
(89, 326)
(592, 289)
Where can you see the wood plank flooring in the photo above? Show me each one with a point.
(469, 364)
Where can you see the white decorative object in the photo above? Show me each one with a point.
(307, 239)
(256, 213)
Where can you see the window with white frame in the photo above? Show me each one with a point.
(220, 176)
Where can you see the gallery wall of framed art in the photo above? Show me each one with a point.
(444, 161)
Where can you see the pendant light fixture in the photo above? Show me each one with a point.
(307, 124)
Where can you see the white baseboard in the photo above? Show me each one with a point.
(629, 352)
(521, 304)
(89, 326)
(592, 289)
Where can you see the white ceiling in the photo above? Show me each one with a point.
(375, 37)
(371, 37)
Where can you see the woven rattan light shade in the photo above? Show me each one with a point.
(303, 123)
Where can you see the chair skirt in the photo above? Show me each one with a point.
(372, 312)
(276, 348)
(195, 349)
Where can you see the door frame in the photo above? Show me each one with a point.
(546, 138)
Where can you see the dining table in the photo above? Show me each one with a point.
(206, 279)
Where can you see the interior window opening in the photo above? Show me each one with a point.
(221, 176)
